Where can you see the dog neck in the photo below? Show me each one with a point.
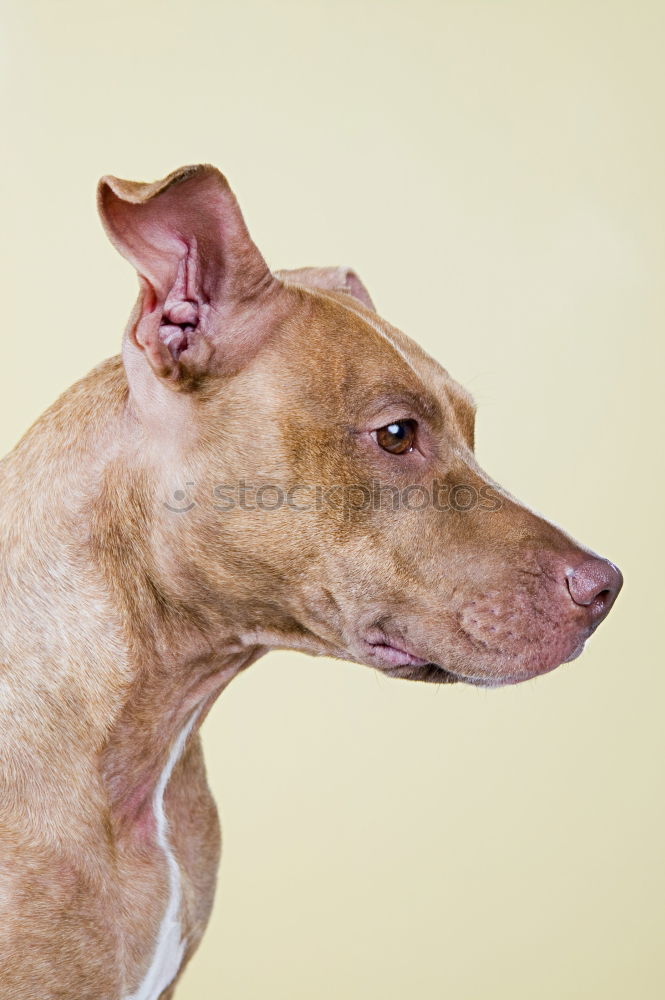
(101, 667)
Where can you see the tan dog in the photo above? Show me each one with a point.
(270, 464)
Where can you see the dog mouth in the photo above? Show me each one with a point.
(430, 673)
(579, 649)
(395, 661)
(389, 655)
(399, 662)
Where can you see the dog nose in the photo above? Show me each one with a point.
(594, 584)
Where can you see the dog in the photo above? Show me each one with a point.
(269, 464)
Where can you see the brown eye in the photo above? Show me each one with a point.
(397, 438)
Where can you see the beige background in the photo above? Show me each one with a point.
(495, 172)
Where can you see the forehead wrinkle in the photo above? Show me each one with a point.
(368, 321)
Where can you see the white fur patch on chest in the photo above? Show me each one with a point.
(170, 946)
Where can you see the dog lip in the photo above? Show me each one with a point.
(579, 649)
(394, 656)
(430, 672)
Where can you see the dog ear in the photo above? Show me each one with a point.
(333, 279)
(197, 266)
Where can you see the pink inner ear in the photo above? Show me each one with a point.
(181, 313)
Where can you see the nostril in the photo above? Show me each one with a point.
(594, 584)
(601, 604)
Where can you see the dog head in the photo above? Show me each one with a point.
(339, 506)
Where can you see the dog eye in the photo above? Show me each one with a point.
(397, 438)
